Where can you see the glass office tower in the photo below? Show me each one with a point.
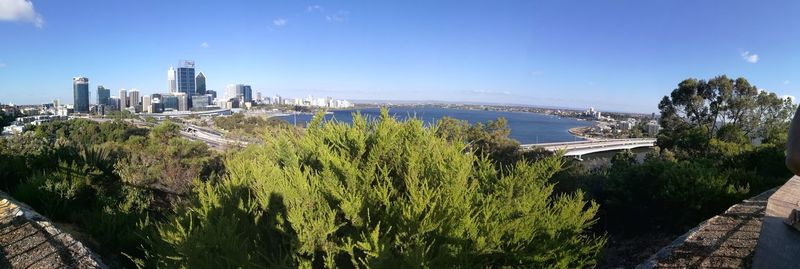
(80, 91)
(200, 83)
(184, 78)
(102, 95)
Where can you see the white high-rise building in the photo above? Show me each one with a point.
(123, 99)
(171, 80)
(146, 105)
(230, 91)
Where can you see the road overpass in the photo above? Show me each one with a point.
(579, 148)
(213, 138)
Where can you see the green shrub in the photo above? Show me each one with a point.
(668, 195)
(377, 194)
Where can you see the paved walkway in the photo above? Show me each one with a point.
(779, 244)
(28, 240)
(724, 241)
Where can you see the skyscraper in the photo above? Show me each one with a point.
(171, 80)
(184, 78)
(247, 93)
(232, 91)
(123, 99)
(200, 83)
(102, 95)
(80, 91)
(133, 98)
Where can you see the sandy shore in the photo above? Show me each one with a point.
(581, 132)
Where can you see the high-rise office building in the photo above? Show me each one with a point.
(102, 95)
(184, 78)
(123, 99)
(212, 93)
(113, 101)
(146, 106)
(258, 97)
(247, 93)
(171, 80)
(200, 84)
(80, 91)
(232, 91)
(133, 98)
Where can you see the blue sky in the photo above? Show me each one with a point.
(613, 55)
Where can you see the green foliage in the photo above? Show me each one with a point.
(167, 166)
(723, 108)
(241, 126)
(490, 139)
(165, 131)
(103, 178)
(377, 194)
(667, 195)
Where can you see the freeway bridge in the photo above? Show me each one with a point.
(580, 148)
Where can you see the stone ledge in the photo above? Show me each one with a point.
(727, 240)
(29, 240)
(779, 244)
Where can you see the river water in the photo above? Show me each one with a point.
(527, 128)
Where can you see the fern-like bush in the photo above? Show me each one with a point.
(381, 194)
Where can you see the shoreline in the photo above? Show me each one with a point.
(581, 132)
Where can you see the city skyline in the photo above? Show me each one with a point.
(617, 56)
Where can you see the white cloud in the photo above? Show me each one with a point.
(20, 10)
(750, 57)
(313, 8)
(490, 92)
(204, 45)
(785, 82)
(338, 16)
(280, 22)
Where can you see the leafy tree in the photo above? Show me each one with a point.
(377, 194)
(731, 110)
(165, 131)
(490, 138)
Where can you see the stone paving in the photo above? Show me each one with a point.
(28, 240)
(724, 241)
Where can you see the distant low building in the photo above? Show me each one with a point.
(201, 102)
(183, 101)
(170, 102)
(653, 128)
